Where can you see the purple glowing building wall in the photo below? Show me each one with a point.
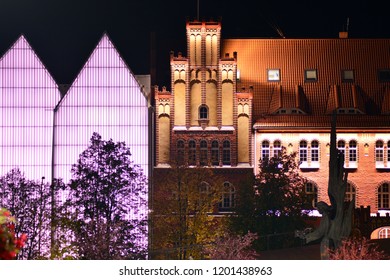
(107, 99)
(43, 135)
(28, 95)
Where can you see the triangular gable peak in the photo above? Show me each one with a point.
(105, 68)
(21, 68)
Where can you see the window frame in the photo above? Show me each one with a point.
(380, 153)
(384, 196)
(192, 153)
(203, 153)
(203, 112)
(346, 79)
(312, 194)
(273, 75)
(381, 73)
(308, 73)
(226, 153)
(227, 202)
(265, 150)
(215, 153)
(180, 152)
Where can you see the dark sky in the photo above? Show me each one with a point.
(64, 32)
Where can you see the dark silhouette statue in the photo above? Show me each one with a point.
(336, 221)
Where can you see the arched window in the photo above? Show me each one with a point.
(315, 155)
(388, 151)
(311, 190)
(341, 146)
(228, 197)
(180, 152)
(383, 196)
(203, 112)
(226, 153)
(379, 151)
(350, 192)
(203, 153)
(384, 233)
(215, 153)
(265, 150)
(303, 151)
(352, 151)
(191, 152)
(277, 148)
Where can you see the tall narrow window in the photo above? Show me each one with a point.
(341, 146)
(203, 112)
(388, 153)
(265, 150)
(383, 196)
(379, 151)
(277, 148)
(191, 152)
(314, 151)
(352, 151)
(180, 152)
(303, 151)
(204, 191)
(226, 153)
(228, 197)
(350, 192)
(215, 153)
(203, 153)
(312, 193)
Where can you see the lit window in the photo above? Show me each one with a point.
(303, 151)
(203, 153)
(388, 152)
(341, 146)
(350, 192)
(314, 151)
(215, 153)
(383, 196)
(273, 75)
(312, 193)
(379, 151)
(277, 148)
(203, 112)
(191, 152)
(228, 197)
(311, 75)
(352, 151)
(265, 150)
(226, 153)
(347, 76)
(384, 233)
(204, 191)
(384, 75)
(180, 152)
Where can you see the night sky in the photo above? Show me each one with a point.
(64, 32)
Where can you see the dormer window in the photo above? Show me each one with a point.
(311, 75)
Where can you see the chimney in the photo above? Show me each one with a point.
(343, 34)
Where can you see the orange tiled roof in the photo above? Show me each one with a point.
(329, 57)
(358, 122)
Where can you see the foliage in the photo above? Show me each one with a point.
(181, 217)
(10, 245)
(233, 247)
(274, 201)
(106, 202)
(357, 249)
(29, 202)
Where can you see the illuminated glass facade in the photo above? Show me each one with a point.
(43, 134)
(28, 96)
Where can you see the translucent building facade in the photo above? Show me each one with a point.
(104, 98)
(28, 96)
(43, 133)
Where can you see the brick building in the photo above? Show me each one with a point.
(227, 111)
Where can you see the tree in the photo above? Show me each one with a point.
(29, 202)
(107, 203)
(233, 247)
(182, 204)
(357, 249)
(272, 202)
